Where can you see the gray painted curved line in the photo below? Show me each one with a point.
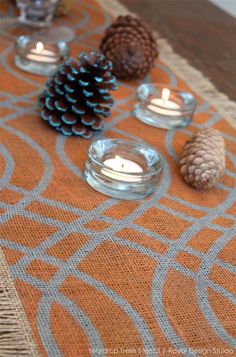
(43, 321)
(41, 218)
(113, 122)
(165, 265)
(84, 321)
(98, 29)
(162, 319)
(44, 181)
(223, 187)
(202, 108)
(203, 274)
(47, 201)
(210, 122)
(60, 143)
(231, 157)
(9, 166)
(96, 211)
(18, 112)
(174, 213)
(189, 204)
(229, 173)
(92, 244)
(134, 316)
(222, 291)
(229, 137)
(8, 35)
(88, 45)
(134, 246)
(127, 134)
(16, 73)
(85, 20)
(210, 315)
(168, 144)
(44, 329)
(44, 313)
(170, 74)
(20, 98)
(214, 286)
(46, 159)
(71, 227)
(227, 266)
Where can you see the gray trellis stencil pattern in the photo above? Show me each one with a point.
(59, 165)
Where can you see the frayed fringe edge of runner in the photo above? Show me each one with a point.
(15, 335)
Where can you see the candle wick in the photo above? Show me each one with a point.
(122, 166)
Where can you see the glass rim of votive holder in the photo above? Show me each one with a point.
(171, 110)
(185, 107)
(149, 172)
(24, 42)
(28, 59)
(123, 184)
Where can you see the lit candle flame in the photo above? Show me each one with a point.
(165, 95)
(120, 161)
(39, 47)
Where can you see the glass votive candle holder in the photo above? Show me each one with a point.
(36, 13)
(38, 57)
(164, 106)
(123, 169)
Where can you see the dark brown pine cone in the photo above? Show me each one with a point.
(77, 96)
(131, 46)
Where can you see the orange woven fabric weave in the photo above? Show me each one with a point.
(103, 277)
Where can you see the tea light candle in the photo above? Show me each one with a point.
(41, 54)
(163, 105)
(123, 169)
(120, 165)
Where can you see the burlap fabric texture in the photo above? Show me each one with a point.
(101, 277)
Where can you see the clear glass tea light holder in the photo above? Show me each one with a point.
(123, 169)
(36, 13)
(164, 106)
(39, 57)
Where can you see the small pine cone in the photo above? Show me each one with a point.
(131, 46)
(77, 96)
(203, 160)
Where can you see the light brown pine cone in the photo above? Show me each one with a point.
(203, 160)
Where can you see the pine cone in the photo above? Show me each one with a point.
(203, 160)
(77, 95)
(131, 46)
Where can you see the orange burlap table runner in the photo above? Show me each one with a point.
(97, 276)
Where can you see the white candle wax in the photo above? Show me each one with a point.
(41, 54)
(168, 105)
(121, 165)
